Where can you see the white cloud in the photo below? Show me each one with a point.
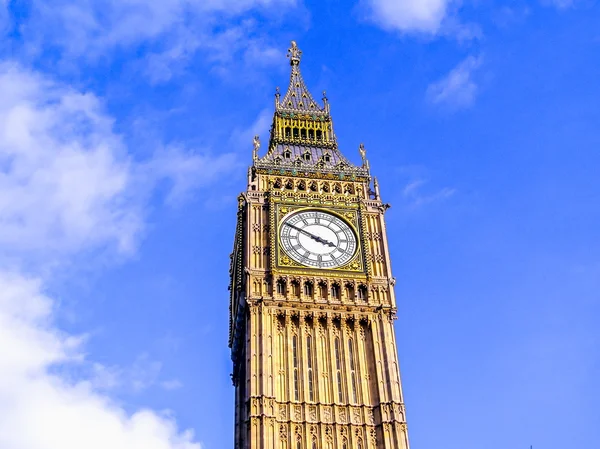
(41, 410)
(68, 185)
(67, 180)
(424, 16)
(64, 176)
(457, 89)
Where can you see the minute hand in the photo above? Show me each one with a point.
(312, 236)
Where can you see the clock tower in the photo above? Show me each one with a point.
(312, 306)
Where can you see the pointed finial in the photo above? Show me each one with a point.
(362, 151)
(363, 154)
(294, 53)
(324, 97)
(256, 147)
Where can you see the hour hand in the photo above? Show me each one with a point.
(322, 240)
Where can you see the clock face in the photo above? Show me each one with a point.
(318, 239)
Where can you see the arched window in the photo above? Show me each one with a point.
(319, 134)
(295, 288)
(288, 132)
(309, 365)
(322, 290)
(325, 187)
(335, 291)
(311, 134)
(281, 287)
(303, 133)
(327, 158)
(306, 156)
(308, 289)
(350, 292)
(287, 154)
(296, 133)
(362, 293)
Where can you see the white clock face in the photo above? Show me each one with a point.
(317, 239)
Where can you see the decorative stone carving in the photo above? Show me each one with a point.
(327, 414)
(356, 418)
(297, 413)
(370, 417)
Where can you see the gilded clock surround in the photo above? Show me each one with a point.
(314, 355)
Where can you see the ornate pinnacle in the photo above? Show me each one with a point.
(294, 53)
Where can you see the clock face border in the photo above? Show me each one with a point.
(318, 239)
(280, 260)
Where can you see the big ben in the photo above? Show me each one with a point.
(312, 306)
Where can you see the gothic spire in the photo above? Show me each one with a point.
(302, 136)
(298, 98)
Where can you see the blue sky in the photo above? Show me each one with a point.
(125, 133)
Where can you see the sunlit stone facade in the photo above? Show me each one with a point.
(312, 294)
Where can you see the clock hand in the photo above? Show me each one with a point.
(302, 231)
(312, 236)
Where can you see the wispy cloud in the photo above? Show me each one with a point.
(560, 4)
(414, 193)
(457, 89)
(170, 31)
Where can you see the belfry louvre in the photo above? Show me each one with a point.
(312, 300)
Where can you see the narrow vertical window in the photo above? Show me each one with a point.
(338, 367)
(295, 362)
(281, 358)
(352, 368)
(309, 364)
